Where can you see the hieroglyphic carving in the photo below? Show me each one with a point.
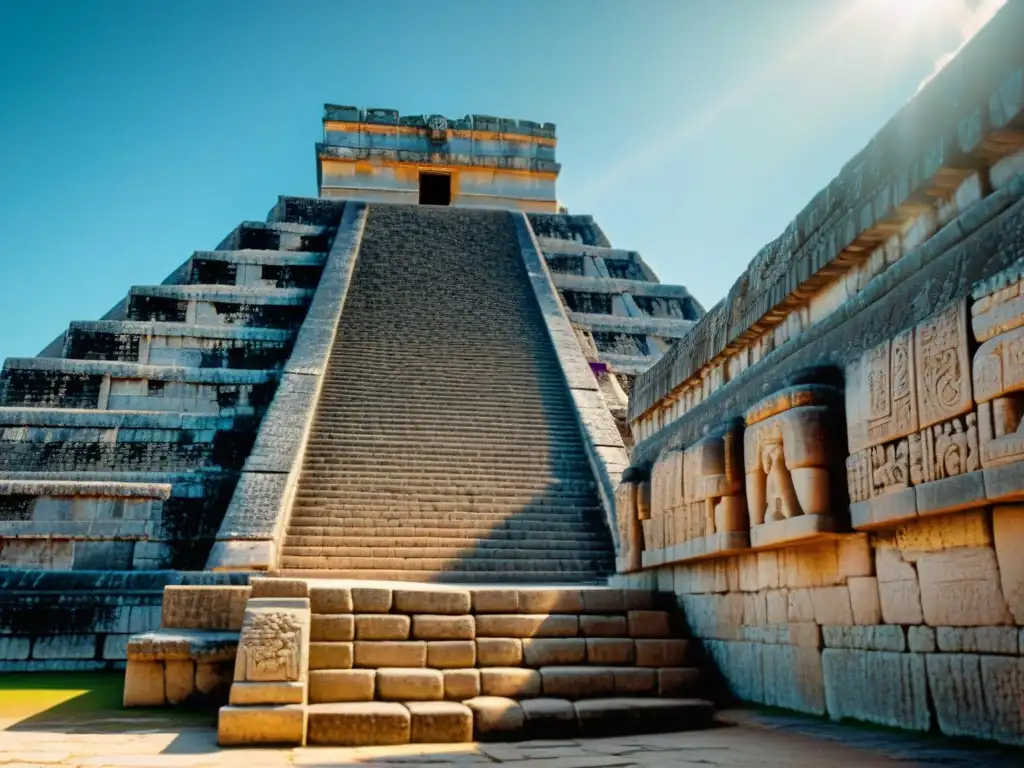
(270, 646)
(890, 467)
(667, 491)
(858, 475)
(786, 454)
(942, 360)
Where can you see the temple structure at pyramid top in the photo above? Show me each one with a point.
(378, 155)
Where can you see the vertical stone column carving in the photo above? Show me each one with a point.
(787, 453)
(627, 513)
(910, 420)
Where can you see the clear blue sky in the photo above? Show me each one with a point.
(133, 133)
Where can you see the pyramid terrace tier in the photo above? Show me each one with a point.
(177, 344)
(214, 304)
(120, 386)
(257, 268)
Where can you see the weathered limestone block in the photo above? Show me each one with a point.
(978, 696)
(390, 653)
(604, 600)
(377, 723)
(553, 601)
(499, 651)
(409, 684)
(960, 588)
(328, 600)
(264, 724)
(495, 600)
(648, 624)
(451, 654)
(1008, 534)
(371, 599)
(549, 718)
(883, 637)
(144, 684)
(921, 639)
(326, 685)
(832, 605)
(610, 650)
(273, 645)
(577, 682)
(461, 684)
(268, 693)
(495, 715)
(440, 722)
(179, 680)
(661, 653)
(330, 655)
(427, 627)
(793, 678)
(332, 627)
(864, 600)
(635, 681)
(522, 625)
(203, 607)
(878, 687)
(678, 681)
(994, 640)
(540, 652)
(787, 452)
(377, 626)
(268, 588)
(603, 626)
(456, 602)
(513, 682)
(742, 667)
(898, 590)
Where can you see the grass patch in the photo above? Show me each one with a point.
(83, 701)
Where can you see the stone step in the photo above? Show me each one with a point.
(436, 549)
(432, 463)
(576, 578)
(302, 524)
(427, 495)
(378, 723)
(323, 479)
(445, 509)
(498, 540)
(509, 567)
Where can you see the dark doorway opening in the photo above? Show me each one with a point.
(435, 189)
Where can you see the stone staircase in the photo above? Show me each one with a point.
(445, 446)
(393, 663)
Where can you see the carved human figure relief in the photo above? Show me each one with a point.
(998, 375)
(712, 486)
(786, 454)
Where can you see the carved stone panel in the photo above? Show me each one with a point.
(274, 642)
(942, 360)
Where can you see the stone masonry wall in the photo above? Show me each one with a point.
(915, 627)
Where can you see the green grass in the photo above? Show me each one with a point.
(83, 701)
